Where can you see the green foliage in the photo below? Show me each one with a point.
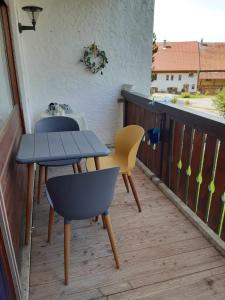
(154, 76)
(185, 95)
(154, 46)
(90, 53)
(194, 95)
(219, 102)
(174, 99)
(187, 102)
(154, 50)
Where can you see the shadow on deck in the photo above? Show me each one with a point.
(162, 255)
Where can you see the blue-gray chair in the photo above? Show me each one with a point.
(78, 197)
(55, 124)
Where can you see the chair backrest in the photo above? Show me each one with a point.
(56, 123)
(127, 142)
(82, 196)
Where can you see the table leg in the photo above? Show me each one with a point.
(97, 163)
(97, 166)
(29, 201)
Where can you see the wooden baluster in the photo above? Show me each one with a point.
(212, 183)
(188, 171)
(222, 215)
(201, 164)
(179, 163)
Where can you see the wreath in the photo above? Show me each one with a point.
(94, 59)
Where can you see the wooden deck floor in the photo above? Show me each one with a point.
(162, 255)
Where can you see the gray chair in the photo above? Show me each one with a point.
(55, 124)
(78, 197)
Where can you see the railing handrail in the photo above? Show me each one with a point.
(204, 122)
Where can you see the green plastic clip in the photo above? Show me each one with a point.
(188, 171)
(179, 165)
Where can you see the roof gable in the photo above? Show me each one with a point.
(212, 57)
(177, 56)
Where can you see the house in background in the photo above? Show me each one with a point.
(212, 67)
(176, 67)
(189, 67)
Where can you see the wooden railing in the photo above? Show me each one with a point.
(190, 159)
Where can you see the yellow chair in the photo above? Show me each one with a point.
(127, 142)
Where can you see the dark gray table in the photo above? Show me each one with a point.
(52, 146)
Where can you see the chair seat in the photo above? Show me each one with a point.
(109, 162)
(58, 163)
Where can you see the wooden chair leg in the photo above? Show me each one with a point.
(74, 168)
(67, 237)
(79, 168)
(40, 181)
(126, 182)
(134, 192)
(103, 222)
(50, 223)
(46, 174)
(108, 225)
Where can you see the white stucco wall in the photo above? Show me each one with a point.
(123, 28)
(162, 84)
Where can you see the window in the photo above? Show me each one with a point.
(6, 104)
(154, 76)
(171, 77)
(179, 77)
(191, 75)
(193, 86)
(167, 77)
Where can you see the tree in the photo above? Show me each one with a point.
(219, 102)
(154, 50)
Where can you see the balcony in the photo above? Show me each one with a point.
(168, 251)
(162, 254)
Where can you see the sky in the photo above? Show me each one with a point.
(190, 20)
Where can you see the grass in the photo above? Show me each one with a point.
(193, 96)
(187, 102)
(186, 95)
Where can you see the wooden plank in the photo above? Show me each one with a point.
(195, 286)
(156, 246)
(166, 139)
(195, 165)
(184, 159)
(216, 206)
(66, 294)
(139, 116)
(6, 282)
(13, 175)
(149, 152)
(176, 155)
(206, 175)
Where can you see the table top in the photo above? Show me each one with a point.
(51, 146)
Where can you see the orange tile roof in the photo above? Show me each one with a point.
(212, 57)
(189, 56)
(212, 75)
(177, 56)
